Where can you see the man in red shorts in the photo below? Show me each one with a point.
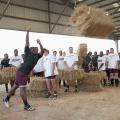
(113, 60)
(30, 60)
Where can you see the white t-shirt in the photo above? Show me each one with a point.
(112, 61)
(70, 59)
(60, 62)
(39, 66)
(16, 61)
(48, 65)
(102, 60)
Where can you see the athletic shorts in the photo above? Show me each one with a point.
(21, 79)
(39, 74)
(50, 77)
(113, 71)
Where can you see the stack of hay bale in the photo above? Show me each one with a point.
(86, 81)
(81, 52)
(92, 81)
(7, 74)
(71, 75)
(92, 22)
(37, 86)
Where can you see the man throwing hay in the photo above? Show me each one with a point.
(30, 60)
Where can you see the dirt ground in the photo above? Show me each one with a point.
(104, 105)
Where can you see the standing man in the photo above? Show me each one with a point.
(101, 65)
(50, 72)
(5, 63)
(113, 60)
(94, 61)
(60, 64)
(30, 60)
(15, 61)
(38, 70)
(70, 62)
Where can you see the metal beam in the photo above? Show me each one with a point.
(115, 1)
(96, 2)
(33, 8)
(59, 16)
(54, 2)
(34, 20)
(5, 9)
(115, 17)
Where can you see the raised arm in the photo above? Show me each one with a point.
(41, 47)
(27, 39)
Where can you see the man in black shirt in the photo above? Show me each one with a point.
(30, 59)
(5, 63)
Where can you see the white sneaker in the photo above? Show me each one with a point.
(6, 103)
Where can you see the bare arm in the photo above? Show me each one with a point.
(53, 68)
(66, 65)
(27, 39)
(75, 63)
(41, 47)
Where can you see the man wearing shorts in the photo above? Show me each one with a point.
(30, 60)
(113, 60)
(38, 69)
(70, 62)
(50, 72)
(101, 65)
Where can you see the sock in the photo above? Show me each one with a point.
(26, 103)
(116, 82)
(112, 82)
(104, 82)
(67, 86)
(7, 98)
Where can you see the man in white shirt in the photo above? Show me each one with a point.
(61, 65)
(38, 70)
(50, 72)
(70, 63)
(16, 60)
(113, 60)
(107, 71)
(102, 64)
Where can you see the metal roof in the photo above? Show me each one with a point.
(112, 7)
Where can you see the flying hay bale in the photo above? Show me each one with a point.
(92, 81)
(92, 22)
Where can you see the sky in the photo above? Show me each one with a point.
(10, 40)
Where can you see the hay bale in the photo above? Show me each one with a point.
(71, 75)
(92, 22)
(37, 87)
(7, 74)
(37, 84)
(91, 82)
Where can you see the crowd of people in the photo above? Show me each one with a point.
(46, 65)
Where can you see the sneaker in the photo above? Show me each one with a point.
(48, 95)
(54, 96)
(6, 103)
(28, 108)
(66, 90)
